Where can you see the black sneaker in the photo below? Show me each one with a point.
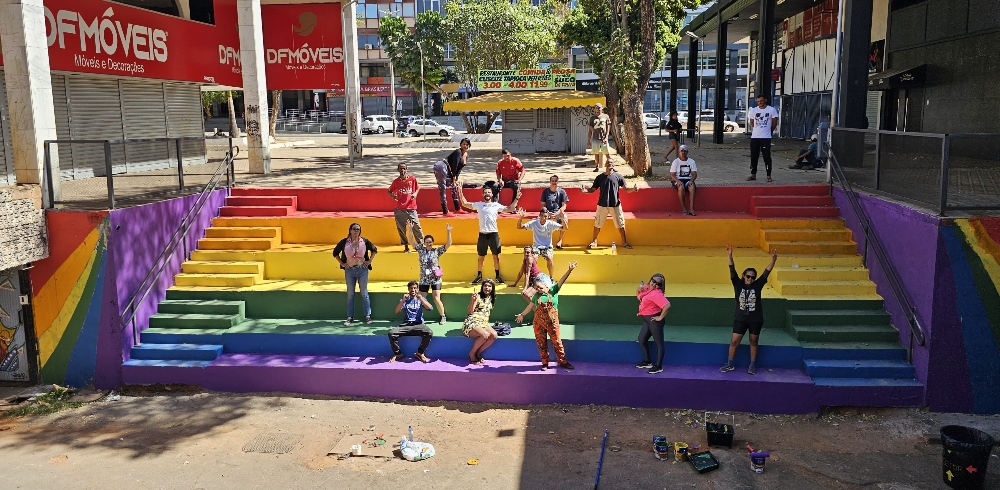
(726, 368)
(752, 369)
(478, 279)
(655, 369)
(499, 280)
(567, 366)
(406, 249)
(644, 365)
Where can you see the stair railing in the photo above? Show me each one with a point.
(871, 239)
(223, 171)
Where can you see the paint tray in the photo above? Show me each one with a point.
(703, 461)
(720, 434)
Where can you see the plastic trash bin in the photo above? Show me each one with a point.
(966, 455)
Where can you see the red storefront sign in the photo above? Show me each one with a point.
(303, 46)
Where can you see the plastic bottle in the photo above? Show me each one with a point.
(411, 433)
(614, 249)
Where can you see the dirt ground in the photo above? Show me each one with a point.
(187, 439)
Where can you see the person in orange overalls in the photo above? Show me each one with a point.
(545, 302)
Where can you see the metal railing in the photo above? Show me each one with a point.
(872, 240)
(179, 237)
(945, 172)
(109, 164)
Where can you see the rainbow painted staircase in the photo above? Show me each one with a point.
(260, 306)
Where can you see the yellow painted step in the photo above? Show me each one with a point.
(244, 232)
(805, 234)
(780, 224)
(820, 274)
(206, 267)
(814, 248)
(216, 280)
(825, 288)
(228, 255)
(237, 243)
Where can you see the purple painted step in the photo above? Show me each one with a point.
(519, 382)
(861, 392)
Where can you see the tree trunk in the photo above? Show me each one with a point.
(635, 133)
(234, 129)
(613, 102)
(275, 110)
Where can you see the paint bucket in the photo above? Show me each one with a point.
(356, 450)
(680, 452)
(661, 448)
(757, 461)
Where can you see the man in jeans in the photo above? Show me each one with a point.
(489, 234)
(447, 170)
(414, 305)
(510, 171)
(404, 191)
(764, 119)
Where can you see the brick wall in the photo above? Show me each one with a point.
(22, 226)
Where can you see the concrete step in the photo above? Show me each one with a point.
(243, 232)
(237, 243)
(887, 351)
(799, 224)
(160, 363)
(806, 235)
(813, 248)
(284, 201)
(837, 317)
(193, 321)
(825, 288)
(185, 352)
(211, 267)
(166, 335)
(796, 211)
(210, 307)
(792, 274)
(786, 201)
(255, 211)
(228, 255)
(217, 280)
(845, 333)
(859, 368)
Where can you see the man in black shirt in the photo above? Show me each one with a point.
(609, 183)
(749, 309)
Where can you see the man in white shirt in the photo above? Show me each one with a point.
(764, 119)
(489, 234)
(683, 172)
(541, 234)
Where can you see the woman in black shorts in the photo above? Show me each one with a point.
(673, 129)
(749, 309)
(430, 270)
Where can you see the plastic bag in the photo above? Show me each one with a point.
(415, 451)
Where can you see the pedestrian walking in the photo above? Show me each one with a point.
(673, 130)
(598, 131)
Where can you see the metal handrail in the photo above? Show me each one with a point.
(146, 286)
(909, 311)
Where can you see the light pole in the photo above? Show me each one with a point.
(701, 75)
(423, 98)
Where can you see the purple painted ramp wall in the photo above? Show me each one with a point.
(913, 242)
(138, 235)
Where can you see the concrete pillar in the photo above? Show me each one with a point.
(720, 81)
(854, 64)
(673, 80)
(765, 52)
(693, 87)
(734, 66)
(352, 81)
(254, 86)
(29, 90)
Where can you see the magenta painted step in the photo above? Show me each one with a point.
(518, 382)
(290, 201)
(796, 212)
(792, 201)
(254, 211)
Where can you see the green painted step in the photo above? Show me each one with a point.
(209, 307)
(192, 320)
(837, 317)
(845, 333)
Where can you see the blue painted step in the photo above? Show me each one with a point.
(182, 336)
(180, 352)
(859, 368)
(866, 382)
(888, 351)
(166, 363)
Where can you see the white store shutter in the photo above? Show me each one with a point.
(144, 117)
(61, 106)
(6, 157)
(95, 113)
(184, 119)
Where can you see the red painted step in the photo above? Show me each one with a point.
(796, 212)
(255, 211)
(792, 201)
(290, 201)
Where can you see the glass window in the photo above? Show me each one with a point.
(408, 10)
(371, 11)
(360, 10)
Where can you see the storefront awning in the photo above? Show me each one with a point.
(897, 78)
(498, 101)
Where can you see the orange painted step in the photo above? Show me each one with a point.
(262, 201)
(796, 211)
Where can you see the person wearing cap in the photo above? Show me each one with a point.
(683, 172)
(597, 136)
(807, 158)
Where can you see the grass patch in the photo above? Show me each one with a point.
(55, 401)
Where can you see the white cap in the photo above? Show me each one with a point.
(683, 148)
(813, 138)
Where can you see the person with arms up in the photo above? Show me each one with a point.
(446, 172)
(749, 309)
(355, 254)
(555, 200)
(683, 172)
(608, 184)
(489, 233)
(404, 191)
(545, 303)
(509, 172)
(431, 274)
(764, 119)
(477, 324)
(653, 306)
(598, 131)
(414, 305)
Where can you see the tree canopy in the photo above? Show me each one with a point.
(403, 47)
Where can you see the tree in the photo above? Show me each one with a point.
(499, 35)
(404, 49)
(209, 98)
(626, 40)
(275, 110)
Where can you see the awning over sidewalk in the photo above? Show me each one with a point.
(897, 78)
(498, 101)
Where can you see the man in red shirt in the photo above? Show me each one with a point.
(509, 174)
(404, 190)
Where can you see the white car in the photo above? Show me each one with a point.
(377, 124)
(428, 126)
(706, 121)
(497, 126)
(651, 120)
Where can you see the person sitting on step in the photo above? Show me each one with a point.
(808, 158)
(477, 325)
(413, 305)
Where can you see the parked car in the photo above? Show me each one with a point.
(497, 126)
(651, 120)
(376, 124)
(428, 126)
(706, 122)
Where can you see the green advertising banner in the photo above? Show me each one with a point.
(531, 79)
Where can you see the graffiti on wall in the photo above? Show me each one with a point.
(13, 354)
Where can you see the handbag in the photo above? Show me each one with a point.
(503, 329)
(438, 272)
